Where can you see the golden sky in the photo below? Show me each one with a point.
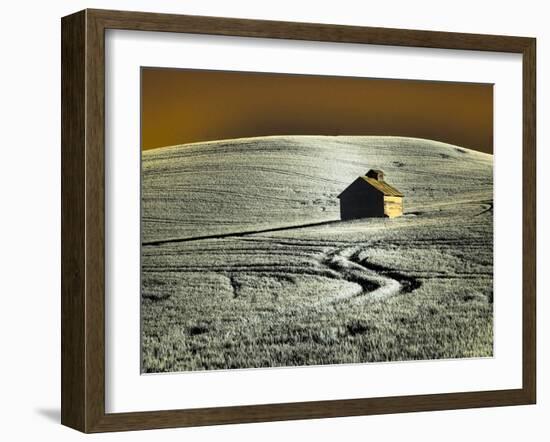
(185, 106)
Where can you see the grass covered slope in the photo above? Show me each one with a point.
(258, 183)
(415, 287)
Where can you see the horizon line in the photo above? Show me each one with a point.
(307, 135)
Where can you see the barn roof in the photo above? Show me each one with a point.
(382, 186)
(375, 171)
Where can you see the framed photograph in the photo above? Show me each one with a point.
(267, 221)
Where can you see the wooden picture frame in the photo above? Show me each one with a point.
(83, 217)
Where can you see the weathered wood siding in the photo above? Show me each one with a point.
(393, 206)
(361, 201)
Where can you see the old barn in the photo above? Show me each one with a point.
(370, 196)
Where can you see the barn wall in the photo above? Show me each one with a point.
(393, 206)
(361, 202)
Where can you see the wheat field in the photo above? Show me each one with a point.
(245, 262)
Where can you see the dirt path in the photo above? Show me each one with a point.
(376, 281)
(160, 242)
(348, 263)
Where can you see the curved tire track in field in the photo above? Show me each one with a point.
(486, 207)
(376, 281)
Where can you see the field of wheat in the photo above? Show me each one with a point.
(245, 262)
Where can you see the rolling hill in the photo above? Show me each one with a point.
(258, 183)
(246, 264)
